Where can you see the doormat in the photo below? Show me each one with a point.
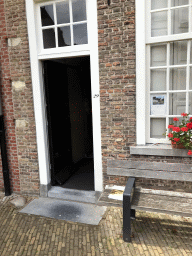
(65, 210)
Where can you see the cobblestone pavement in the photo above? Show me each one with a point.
(153, 234)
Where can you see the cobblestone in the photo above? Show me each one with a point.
(153, 234)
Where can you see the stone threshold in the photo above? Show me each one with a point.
(74, 195)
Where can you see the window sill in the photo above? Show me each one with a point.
(158, 150)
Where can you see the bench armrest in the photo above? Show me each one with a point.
(129, 188)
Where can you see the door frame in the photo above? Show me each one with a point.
(36, 60)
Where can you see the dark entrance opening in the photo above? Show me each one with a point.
(69, 115)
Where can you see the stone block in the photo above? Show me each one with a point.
(14, 41)
(20, 123)
(18, 85)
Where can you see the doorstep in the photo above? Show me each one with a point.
(83, 196)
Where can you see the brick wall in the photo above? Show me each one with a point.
(18, 99)
(116, 38)
(6, 95)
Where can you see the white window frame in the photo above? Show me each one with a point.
(37, 54)
(143, 42)
(42, 53)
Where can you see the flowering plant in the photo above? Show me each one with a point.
(182, 134)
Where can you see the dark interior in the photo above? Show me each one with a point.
(69, 114)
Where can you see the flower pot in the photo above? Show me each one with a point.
(177, 146)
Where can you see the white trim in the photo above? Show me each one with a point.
(38, 94)
(38, 97)
(93, 42)
(140, 73)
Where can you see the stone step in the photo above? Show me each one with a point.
(74, 195)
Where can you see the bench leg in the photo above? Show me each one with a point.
(126, 219)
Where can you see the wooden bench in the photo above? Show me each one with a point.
(162, 201)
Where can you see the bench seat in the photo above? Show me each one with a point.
(161, 201)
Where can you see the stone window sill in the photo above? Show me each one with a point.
(158, 150)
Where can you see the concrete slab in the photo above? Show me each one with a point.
(64, 210)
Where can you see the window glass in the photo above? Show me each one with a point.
(190, 80)
(178, 53)
(158, 127)
(158, 55)
(179, 20)
(177, 79)
(159, 23)
(70, 26)
(179, 2)
(80, 34)
(158, 79)
(190, 103)
(47, 17)
(49, 38)
(79, 10)
(191, 52)
(176, 123)
(156, 4)
(177, 103)
(62, 10)
(64, 36)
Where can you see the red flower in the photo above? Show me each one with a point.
(170, 135)
(189, 125)
(183, 114)
(175, 119)
(176, 139)
(189, 152)
(170, 126)
(176, 129)
(190, 118)
(184, 129)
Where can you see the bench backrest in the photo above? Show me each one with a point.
(154, 170)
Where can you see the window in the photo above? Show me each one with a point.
(167, 46)
(64, 23)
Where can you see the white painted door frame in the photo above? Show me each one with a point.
(39, 96)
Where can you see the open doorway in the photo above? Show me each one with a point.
(69, 115)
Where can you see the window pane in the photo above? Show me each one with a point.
(47, 17)
(79, 10)
(177, 79)
(159, 23)
(179, 2)
(158, 104)
(158, 79)
(179, 20)
(64, 36)
(49, 38)
(177, 102)
(190, 80)
(176, 123)
(178, 52)
(156, 4)
(157, 127)
(190, 103)
(62, 10)
(158, 55)
(191, 53)
(80, 34)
